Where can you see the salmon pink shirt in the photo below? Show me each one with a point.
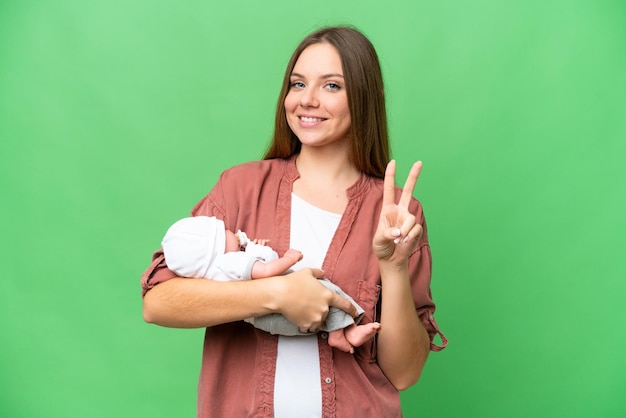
(239, 361)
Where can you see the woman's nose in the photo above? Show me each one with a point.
(309, 98)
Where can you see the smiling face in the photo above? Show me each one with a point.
(316, 105)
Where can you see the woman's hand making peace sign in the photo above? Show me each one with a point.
(397, 234)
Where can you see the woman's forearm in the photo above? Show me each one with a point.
(195, 303)
(199, 303)
(403, 343)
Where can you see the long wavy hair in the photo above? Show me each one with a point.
(369, 139)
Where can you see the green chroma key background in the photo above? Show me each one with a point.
(116, 117)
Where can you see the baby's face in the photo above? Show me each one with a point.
(232, 243)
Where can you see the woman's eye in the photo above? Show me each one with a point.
(333, 86)
(297, 85)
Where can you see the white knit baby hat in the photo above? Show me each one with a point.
(191, 244)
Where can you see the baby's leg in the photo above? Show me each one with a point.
(352, 336)
(338, 340)
(358, 334)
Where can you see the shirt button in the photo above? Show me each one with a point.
(324, 335)
(328, 380)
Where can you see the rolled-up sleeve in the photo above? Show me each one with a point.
(420, 267)
(156, 273)
(421, 262)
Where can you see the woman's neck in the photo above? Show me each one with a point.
(324, 178)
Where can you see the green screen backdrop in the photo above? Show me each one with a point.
(117, 116)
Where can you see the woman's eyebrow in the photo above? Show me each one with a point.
(330, 75)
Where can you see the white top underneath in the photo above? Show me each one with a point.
(297, 384)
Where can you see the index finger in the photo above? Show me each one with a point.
(409, 185)
(343, 304)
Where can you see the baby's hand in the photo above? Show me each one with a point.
(264, 242)
(294, 255)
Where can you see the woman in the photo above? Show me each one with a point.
(320, 189)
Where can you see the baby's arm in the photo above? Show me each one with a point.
(276, 267)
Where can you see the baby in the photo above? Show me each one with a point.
(202, 247)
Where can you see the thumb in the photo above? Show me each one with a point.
(343, 304)
(388, 234)
(394, 233)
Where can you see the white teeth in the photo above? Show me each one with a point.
(308, 119)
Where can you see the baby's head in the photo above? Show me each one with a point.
(207, 234)
(192, 244)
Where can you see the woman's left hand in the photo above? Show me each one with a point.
(398, 233)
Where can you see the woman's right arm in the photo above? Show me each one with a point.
(195, 303)
(199, 303)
